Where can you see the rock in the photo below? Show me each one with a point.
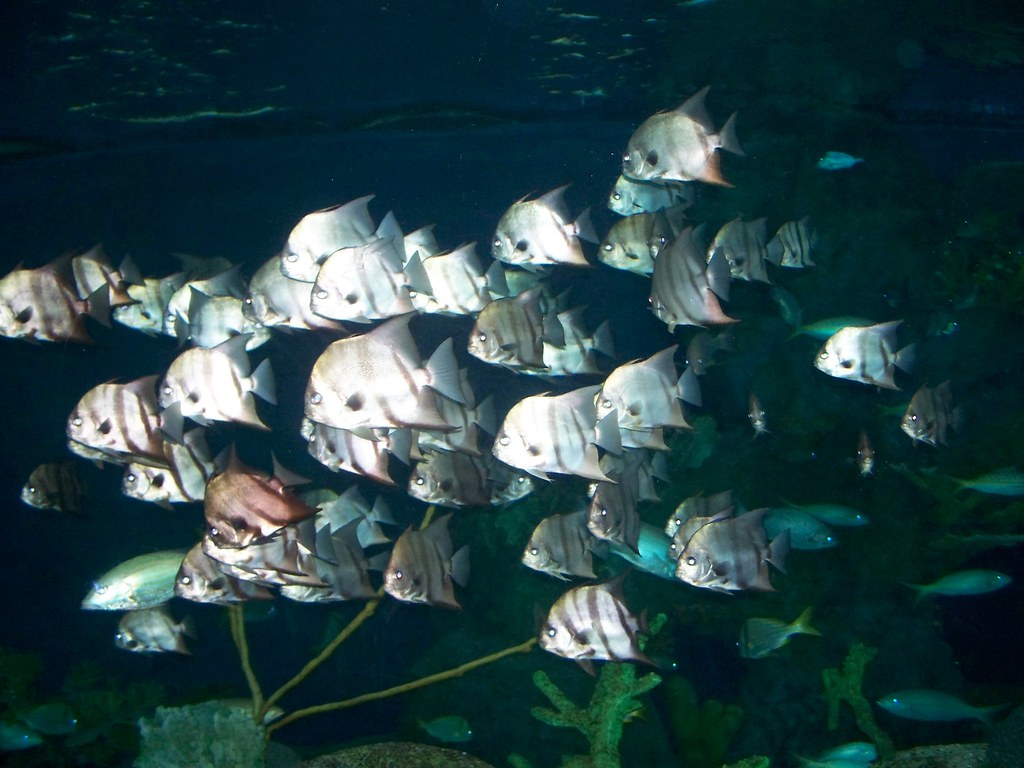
(394, 755)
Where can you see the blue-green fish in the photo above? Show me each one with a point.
(653, 554)
(141, 582)
(934, 706)
(805, 530)
(17, 736)
(451, 729)
(959, 583)
(853, 754)
(838, 161)
(1001, 482)
(55, 719)
(759, 637)
(833, 514)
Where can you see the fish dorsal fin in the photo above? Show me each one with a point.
(663, 363)
(695, 109)
(234, 348)
(389, 227)
(555, 200)
(444, 372)
(688, 388)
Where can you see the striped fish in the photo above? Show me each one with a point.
(646, 394)
(422, 568)
(363, 283)
(226, 283)
(341, 564)
(343, 451)
(119, 423)
(338, 510)
(54, 486)
(593, 623)
(535, 233)
(467, 419)
(393, 388)
(512, 331)
(508, 484)
(697, 507)
(633, 243)
(457, 283)
(685, 287)
(181, 482)
(215, 385)
(867, 355)
(577, 353)
(555, 433)
(93, 270)
(321, 233)
(732, 554)
(215, 319)
(930, 414)
(201, 580)
(42, 305)
(560, 546)
(612, 514)
(742, 243)
(680, 145)
(275, 300)
(794, 244)
(629, 197)
(150, 298)
(450, 479)
(242, 504)
(288, 557)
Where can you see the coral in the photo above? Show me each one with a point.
(211, 734)
(702, 731)
(845, 686)
(755, 761)
(601, 721)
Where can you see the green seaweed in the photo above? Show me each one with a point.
(702, 730)
(845, 685)
(613, 700)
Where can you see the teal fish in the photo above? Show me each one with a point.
(759, 637)
(654, 555)
(960, 583)
(838, 161)
(54, 719)
(854, 754)
(451, 729)
(833, 514)
(822, 329)
(1001, 482)
(16, 736)
(805, 530)
(141, 582)
(934, 706)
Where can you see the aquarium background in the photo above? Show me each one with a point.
(211, 129)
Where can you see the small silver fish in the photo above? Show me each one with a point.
(201, 580)
(865, 455)
(647, 394)
(629, 197)
(119, 423)
(42, 305)
(742, 243)
(561, 546)
(153, 630)
(321, 233)
(756, 415)
(423, 568)
(686, 287)
(276, 300)
(732, 554)
(793, 245)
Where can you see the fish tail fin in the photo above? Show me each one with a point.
(985, 714)
(727, 135)
(188, 626)
(778, 550)
(904, 358)
(444, 372)
(688, 388)
(712, 171)
(802, 625)
(97, 305)
(583, 227)
(603, 341)
(263, 383)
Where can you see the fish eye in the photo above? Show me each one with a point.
(534, 551)
(248, 300)
(214, 531)
(186, 580)
(823, 355)
(31, 489)
(168, 390)
(316, 398)
(130, 479)
(497, 242)
(504, 440)
(481, 337)
(398, 574)
(292, 257)
(552, 631)
(625, 157)
(691, 560)
(100, 589)
(606, 403)
(616, 195)
(522, 245)
(608, 247)
(77, 421)
(913, 417)
(604, 512)
(321, 294)
(420, 481)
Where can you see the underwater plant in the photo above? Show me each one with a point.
(845, 685)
